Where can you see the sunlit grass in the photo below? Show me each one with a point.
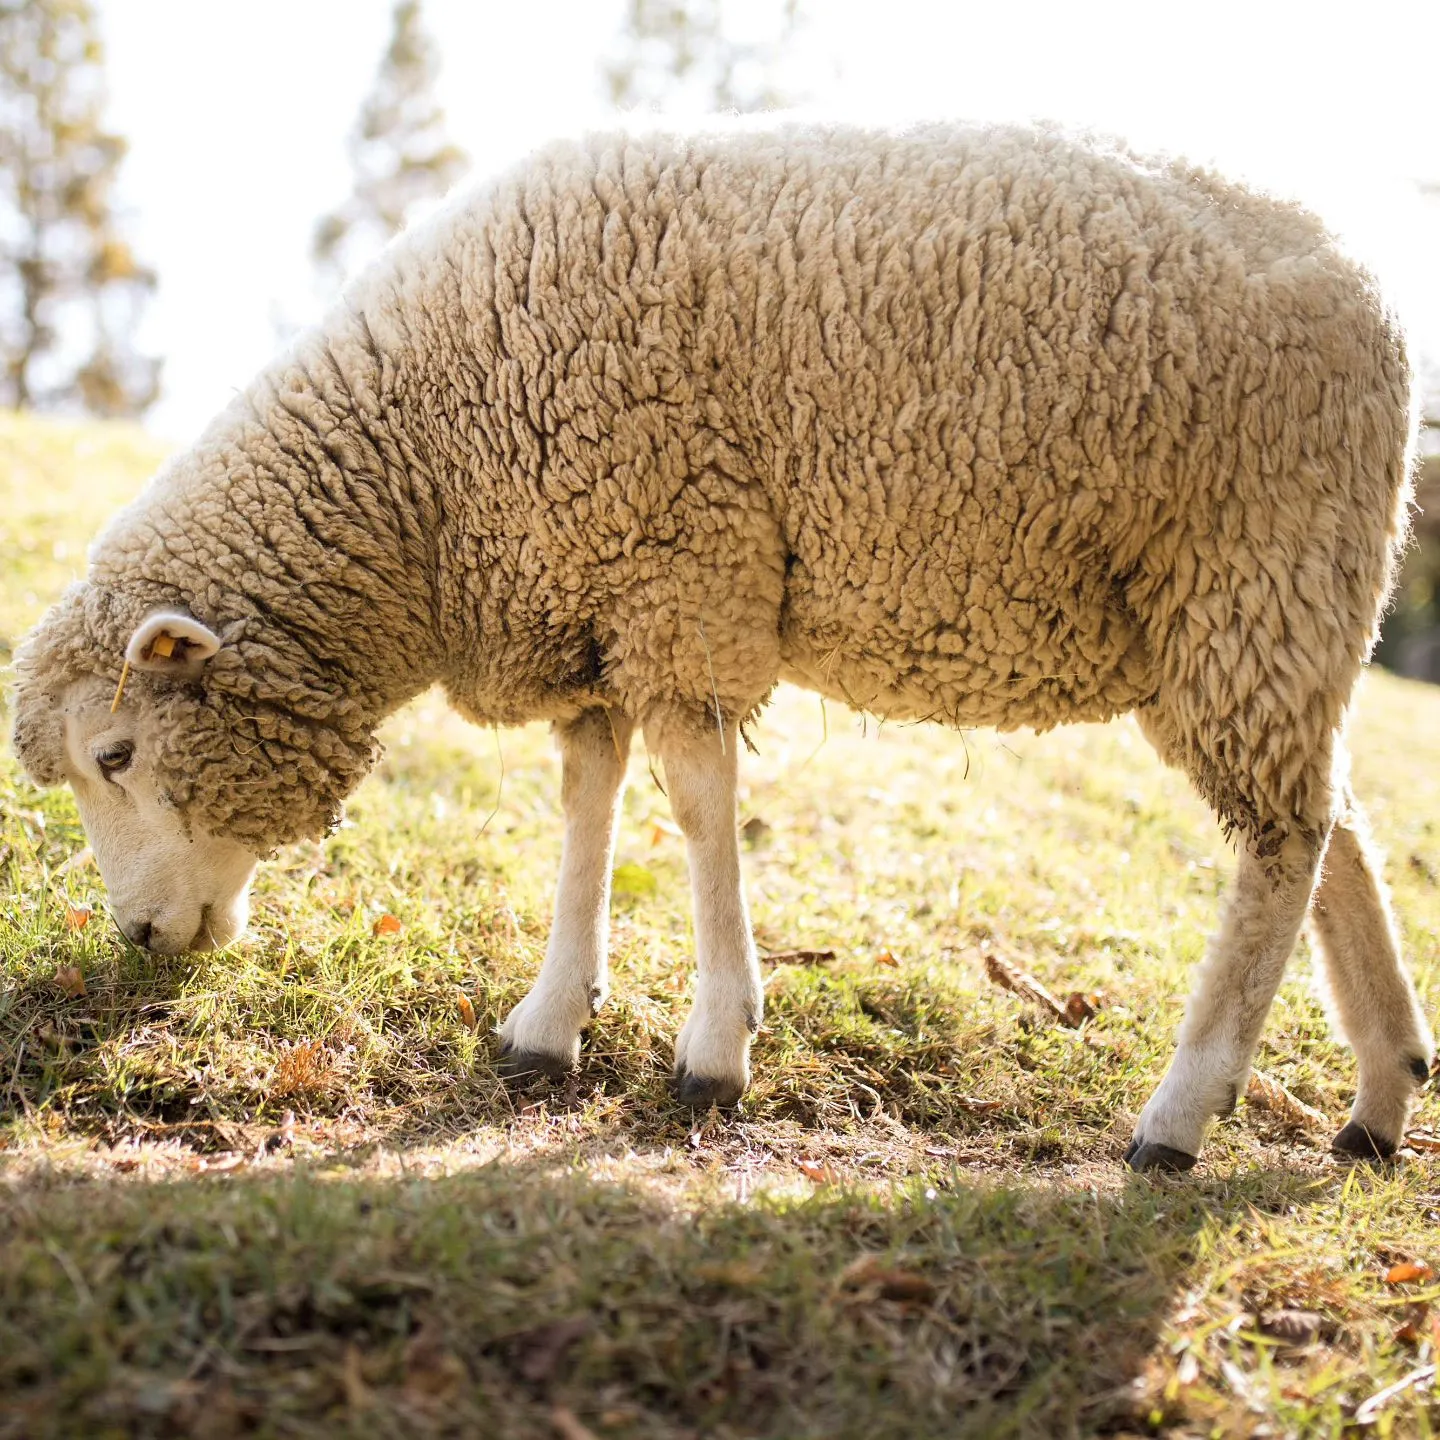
(282, 1188)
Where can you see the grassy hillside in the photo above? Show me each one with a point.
(282, 1191)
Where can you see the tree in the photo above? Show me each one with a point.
(71, 289)
(398, 152)
(671, 50)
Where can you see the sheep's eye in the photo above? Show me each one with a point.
(114, 758)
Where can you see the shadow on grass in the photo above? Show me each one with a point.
(300, 1301)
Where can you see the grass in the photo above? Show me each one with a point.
(281, 1191)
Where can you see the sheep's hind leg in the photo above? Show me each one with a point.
(1373, 998)
(712, 1051)
(541, 1035)
(1234, 989)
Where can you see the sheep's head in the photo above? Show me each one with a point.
(189, 769)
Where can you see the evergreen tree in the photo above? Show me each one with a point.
(71, 290)
(688, 49)
(398, 152)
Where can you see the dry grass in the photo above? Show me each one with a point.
(282, 1191)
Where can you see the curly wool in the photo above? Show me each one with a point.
(988, 426)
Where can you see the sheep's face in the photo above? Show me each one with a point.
(173, 886)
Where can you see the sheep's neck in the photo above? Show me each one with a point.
(341, 526)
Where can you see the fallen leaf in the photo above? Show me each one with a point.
(77, 917)
(1294, 1327)
(661, 828)
(387, 924)
(979, 1107)
(1408, 1271)
(888, 960)
(799, 957)
(1269, 1094)
(1080, 1007)
(867, 1273)
(567, 1426)
(1426, 1140)
(70, 980)
(221, 1164)
(467, 1010)
(1018, 982)
(818, 1172)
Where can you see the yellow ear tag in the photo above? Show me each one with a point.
(120, 688)
(163, 645)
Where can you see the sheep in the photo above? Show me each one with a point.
(990, 426)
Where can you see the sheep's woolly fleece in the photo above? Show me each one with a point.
(983, 425)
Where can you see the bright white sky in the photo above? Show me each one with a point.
(237, 116)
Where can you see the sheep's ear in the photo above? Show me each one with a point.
(169, 642)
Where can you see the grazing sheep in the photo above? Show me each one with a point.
(980, 425)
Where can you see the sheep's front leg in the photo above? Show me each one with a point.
(712, 1051)
(542, 1033)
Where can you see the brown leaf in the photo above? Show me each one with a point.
(979, 1107)
(799, 957)
(567, 1426)
(888, 960)
(867, 1273)
(1018, 982)
(1426, 1140)
(467, 1010)
(1080, 1007)
(1269, 1094)
(77, 917)
(1294, 1327)
(1408, 1271)
(387, 924)
(70, 980)
(817, 1172)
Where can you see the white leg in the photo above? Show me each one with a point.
(712, 1051)
(542, 1033)
(1372, 996)
(1234, 988)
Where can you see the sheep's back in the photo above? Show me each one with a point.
(980, 383)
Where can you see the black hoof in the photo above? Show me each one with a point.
(700, 1093)
(1140, 1155)
(522, 1067)
(1357, 1141)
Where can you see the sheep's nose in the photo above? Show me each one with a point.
(137, 932)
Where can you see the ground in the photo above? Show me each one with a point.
(282, 1191)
